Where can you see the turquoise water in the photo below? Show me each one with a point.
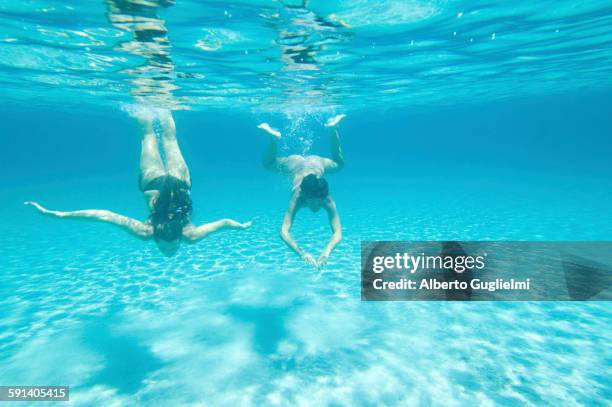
(260, 54)
(506, 136)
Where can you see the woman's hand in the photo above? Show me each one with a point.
(246, 225)
(232, 223)
(41, 208)
(322, 260)
(308, 258)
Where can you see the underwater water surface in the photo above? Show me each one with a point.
(465, 121)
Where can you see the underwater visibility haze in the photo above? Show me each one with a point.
(465, 120)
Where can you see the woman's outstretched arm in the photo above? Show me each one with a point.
(194, 233)
(336, 227)
(285, 232)
(134, 226)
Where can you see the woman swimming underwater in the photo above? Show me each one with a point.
(310, 189)
(166, 187)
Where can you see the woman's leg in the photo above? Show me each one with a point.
(270, 159)
(175, 163)
(151, 164)
(336, 149)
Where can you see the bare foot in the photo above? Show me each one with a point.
(334, 121)
(266, 127)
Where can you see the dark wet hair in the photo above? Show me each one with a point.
(172, 210)
(314, 187)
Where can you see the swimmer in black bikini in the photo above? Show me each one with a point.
(166, 188)
(165, 185)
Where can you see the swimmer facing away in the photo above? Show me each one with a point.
(310, 189)
(166, 187)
